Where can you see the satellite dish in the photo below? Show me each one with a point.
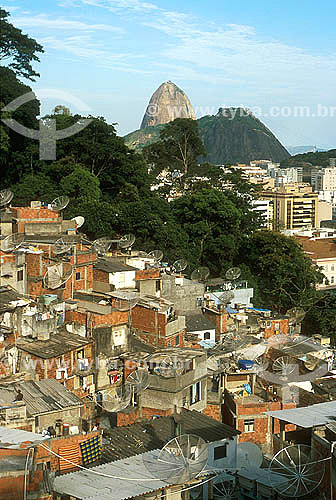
(196, 493)
(6, 197)
(57, 275)
(233, 273)
(127, 241)
(180, 460)
(224, 489)
(138, 380)
(224, 297)
(62, 246)
(116, 398)
(284, 366)
(102, 245)
(60, 203)
(231, 342)
(301, 467)
(156, 255)
(12, 242)
(249, 456)
(79, 221)
(180, 265)
(170, 366)
(260, 365)
(296, 314)
(200, 274)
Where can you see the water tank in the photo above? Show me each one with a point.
(245, 364)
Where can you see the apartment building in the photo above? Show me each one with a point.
(294, 206)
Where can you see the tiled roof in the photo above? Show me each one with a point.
(154, 434)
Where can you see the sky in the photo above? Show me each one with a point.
(107, 57)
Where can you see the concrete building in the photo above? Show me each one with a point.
(294, 206)
(322, 252)
(265, 209)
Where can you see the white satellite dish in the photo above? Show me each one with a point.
(156, 255)
(200, 274)
(6, 197)
(224, 488)
(102, 245)
(180, 265)
(296, 315)
(61, 246)
(124, 303)
(302, 469)
(171, 366)
(79, 221)
(60, 203)
(127, 241)
(284, 365)
(182, 459)
(12, 242)
(57, 275)
(138, 380)
(116, 398)
(249, 456)
(233, 273)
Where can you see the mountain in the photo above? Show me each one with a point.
(319, 158)
(296, 150)
(167, 103)
(232, 135)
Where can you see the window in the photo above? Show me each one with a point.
(277, 326)
(249, 425)
(177, 340)
(20, 275)
(332, 279)
(220, 452)
(78, 276)
(195, 393)
(207, 336)
(332, 267)
(199, 301)
(80, 354)
(157, 286)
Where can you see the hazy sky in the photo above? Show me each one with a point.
(113, 54)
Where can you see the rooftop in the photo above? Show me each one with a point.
(154, 434)
(10, 299)
(113, 266)
(58, 344)
(39, 397)
(198, 322)
(323, 248)
(307, 417)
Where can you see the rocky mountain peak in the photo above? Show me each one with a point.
(166, 104)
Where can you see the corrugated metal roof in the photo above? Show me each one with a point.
(311, 416)
(58, 344)
(153, 434)
(40, 397)
(86, 485)
(17, 436)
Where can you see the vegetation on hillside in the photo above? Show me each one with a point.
(110, 185)
(320, 158)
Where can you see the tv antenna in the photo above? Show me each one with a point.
(60, 203)
(182, 459)
(6, 197)
(102, 245)
(116, 398)
(200, 274)
(233, 273)
(138, 380)
(79, 221)
(127, 241)
(179, 265)
(301, 467)
(56, 275)
(12, 242)
(284, 366)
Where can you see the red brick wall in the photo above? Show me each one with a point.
(94, 320)
(283, 328)
(213, 411)
(219, 319)
(147, 274)
(144, 319)
(101, 276)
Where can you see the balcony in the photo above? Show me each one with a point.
(175, 326)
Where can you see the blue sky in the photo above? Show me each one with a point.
(113, 54)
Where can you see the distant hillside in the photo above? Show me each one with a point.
(230, 136)
(320, 158)
(298, 150)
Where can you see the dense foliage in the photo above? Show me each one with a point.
(320, 158)
(210, 223)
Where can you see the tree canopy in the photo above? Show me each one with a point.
(18, 48)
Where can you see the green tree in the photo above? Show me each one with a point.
(80, 185)
(284, 276)
(321, 318)
(213, 225)
(19, 48)
(175, 154)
